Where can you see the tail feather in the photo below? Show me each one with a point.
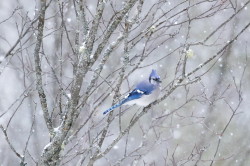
(111, 108)
(116, 105)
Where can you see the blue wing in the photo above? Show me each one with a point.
(135, 94)
(143, 88)
(146, 87)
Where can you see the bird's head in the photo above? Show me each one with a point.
(154, 78)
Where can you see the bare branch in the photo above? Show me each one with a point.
(39, 82)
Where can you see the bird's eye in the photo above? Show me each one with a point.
(156, 79)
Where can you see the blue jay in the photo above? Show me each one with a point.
(144, 93)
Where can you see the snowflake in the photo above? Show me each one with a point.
(116, 147)
(68, 19)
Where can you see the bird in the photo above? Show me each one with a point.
(143, 94)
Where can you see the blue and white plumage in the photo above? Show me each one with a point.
(144, 93)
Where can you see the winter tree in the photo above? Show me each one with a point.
(64, 62)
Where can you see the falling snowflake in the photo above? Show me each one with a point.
(116, 147)
(68, 19)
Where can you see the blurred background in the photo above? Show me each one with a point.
(199, 48)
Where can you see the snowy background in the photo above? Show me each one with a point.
(203, 123)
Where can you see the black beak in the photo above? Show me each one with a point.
(158, 80)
